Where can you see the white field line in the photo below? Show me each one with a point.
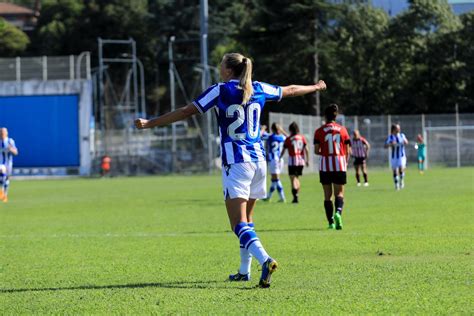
(211, 234)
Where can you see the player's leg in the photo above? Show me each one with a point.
(395, 177)
(401, 172)
(357, 174)
(254, 246)
(3, 176)
(328, 207)
(279, 186)
(338, 204)
(364, 172)
(295, 187)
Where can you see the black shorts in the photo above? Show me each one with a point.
(295, 170)
(359, 161)
(336, 177)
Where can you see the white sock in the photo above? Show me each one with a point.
(257, 250)
(245, 261)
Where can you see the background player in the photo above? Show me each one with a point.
(398, 159)
(7, 151)
(421, 149)
(238, 103)
(332, 144)
(360, 148)
(274, 148)
(298, 157)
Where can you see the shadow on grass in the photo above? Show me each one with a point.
(166, 285)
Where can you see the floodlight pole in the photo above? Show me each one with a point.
(205, 81)
(173, 101)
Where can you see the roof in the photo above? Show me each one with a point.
(12, 9)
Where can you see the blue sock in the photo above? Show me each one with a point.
(2, 180)
(280, 189)
(273, 186)
(250, 241)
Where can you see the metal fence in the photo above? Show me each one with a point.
(46, 68)
(449, 137)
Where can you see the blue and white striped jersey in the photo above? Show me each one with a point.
(239, 124)
(275, 146)
(398, 150)
(6, 157)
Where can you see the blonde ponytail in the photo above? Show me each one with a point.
(245, 80)
(242, 68)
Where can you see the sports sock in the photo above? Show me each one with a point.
(366, 179)
(249, 240)
(2, 180)
(358, 177)
(279, 187)
(295, 193)
(273, 186)
(402, 175)
(339, 204)
(6, 184)
(395, 179)
(329, 211)
(245, 257)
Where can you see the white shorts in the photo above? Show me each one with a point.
(246, 180)
(6, 168)
(275, 166)
(399, 162)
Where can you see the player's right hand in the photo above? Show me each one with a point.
(321, 85)
(141, 123)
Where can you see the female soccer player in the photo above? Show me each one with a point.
(7, 151)
(332, 144)
(274, 147)
(298, 157)
(360, 151)
(397, 141)
(421, 148)
(238, 103)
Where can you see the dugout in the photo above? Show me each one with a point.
(49, 116)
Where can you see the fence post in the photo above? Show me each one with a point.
(45, 68)
(458, 141)
(18, 69)
(71, 67)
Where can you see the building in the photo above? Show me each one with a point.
(23, 18)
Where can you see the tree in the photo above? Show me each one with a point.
(12, 40)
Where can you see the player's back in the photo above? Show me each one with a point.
(274, 146)
(239, 124)
(332, 139)
(296, 144)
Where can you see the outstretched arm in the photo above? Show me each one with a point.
(296, 90)
(168, 118)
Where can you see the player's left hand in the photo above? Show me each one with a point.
(141, 123)
(307, 163)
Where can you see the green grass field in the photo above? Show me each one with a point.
(162, 245)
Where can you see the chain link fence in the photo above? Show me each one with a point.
(449, 138)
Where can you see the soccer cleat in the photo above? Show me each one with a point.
(332, 226)
(358, 184)
(281, 201)
(268, 268)
(5, 199)
(295, 200)
(2, 194)
(239, 277)
(338, 220)
(402, 185)
(266, 199)
(366, 184)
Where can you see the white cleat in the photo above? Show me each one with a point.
(358, 184)
(366, 184)
(402, 186)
